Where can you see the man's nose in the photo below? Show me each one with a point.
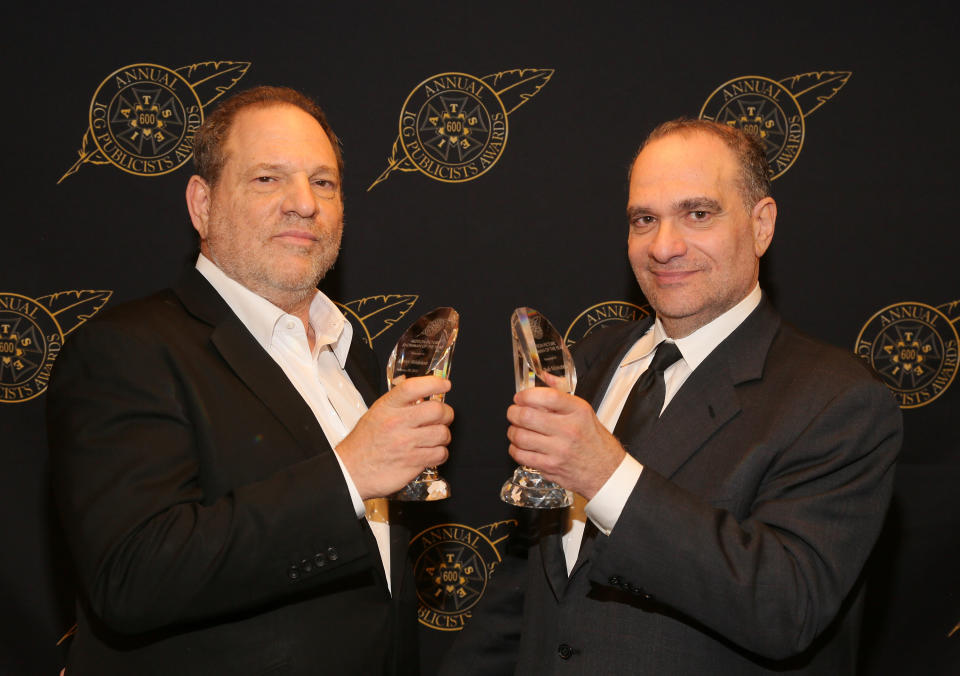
(299, 197)
(668, 242)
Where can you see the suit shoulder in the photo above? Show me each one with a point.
(154, 321)
(155, 307)
(809, 358)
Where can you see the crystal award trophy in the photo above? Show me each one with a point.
(537, 349)
(425, 349)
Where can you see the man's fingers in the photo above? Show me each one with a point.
(427, 413)
(555, 382)
(546, 398)
(534, 419)
(411, 390)
(434, 435)
(529, 440)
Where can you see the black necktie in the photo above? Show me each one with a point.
(640, 411)
(642, 407)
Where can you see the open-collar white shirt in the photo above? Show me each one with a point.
(605, 507)
(317, 374)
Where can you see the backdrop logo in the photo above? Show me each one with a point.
(32, 333)
(601, 316)
(453, 126)
(143, 116)
(773, 111)
(376, 314)
(913, 347)
(452, 565)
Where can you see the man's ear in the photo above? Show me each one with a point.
(199, 194)
(764, 220)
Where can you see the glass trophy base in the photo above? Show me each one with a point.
(427, 487)
(528, 488)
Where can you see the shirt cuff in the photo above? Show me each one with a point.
(605, 507)
(358, 506)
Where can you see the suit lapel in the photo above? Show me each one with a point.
(258, 371)
(708, 399)
(399, 539)
(267, 381)
(600, 367)
(702, 406)
(551, 550)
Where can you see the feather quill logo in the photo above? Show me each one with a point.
(143, 117)
(453, 126)
(774, 111)
(376, 314)
(32, 331)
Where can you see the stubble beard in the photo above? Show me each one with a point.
(264, 275)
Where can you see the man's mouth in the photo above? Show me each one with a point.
(301, 237)
(669, 276)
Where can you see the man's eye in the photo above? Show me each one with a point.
(643, 221)
(264, 179)
(325, 187)
(699, 215)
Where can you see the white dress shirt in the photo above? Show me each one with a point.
(605, 507)
(317, 374)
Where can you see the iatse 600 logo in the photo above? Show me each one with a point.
(913, 347)
(452, 565)
(143, 117)
(32, 331)
(773, 110)
(453, 126)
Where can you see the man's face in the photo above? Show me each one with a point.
(274, 219)
(693, 245)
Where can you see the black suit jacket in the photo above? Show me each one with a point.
(764, 488)
(209, 521)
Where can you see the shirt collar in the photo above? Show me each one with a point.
(261, 317)
(699, 344)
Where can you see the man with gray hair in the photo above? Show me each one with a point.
(219, 452)
(731, 474)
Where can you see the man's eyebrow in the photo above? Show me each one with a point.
(687, 204)
(637, 210)
(698, 204)
(282, 166)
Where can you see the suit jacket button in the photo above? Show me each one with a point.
(614, 580)
(306, 565)
(293, 573)
(320, 560)
(332, 553)
(564, 651)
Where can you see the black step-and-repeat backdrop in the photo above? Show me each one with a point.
(486, 148)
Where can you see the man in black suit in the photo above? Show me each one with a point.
(725, 513)
(212, 448)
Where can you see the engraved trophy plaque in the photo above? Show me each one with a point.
(425, 349)
(537, 349)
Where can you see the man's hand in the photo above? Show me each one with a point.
(399, 435)
(560, 435)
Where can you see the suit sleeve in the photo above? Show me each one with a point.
(152, 548)
(769, 576)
